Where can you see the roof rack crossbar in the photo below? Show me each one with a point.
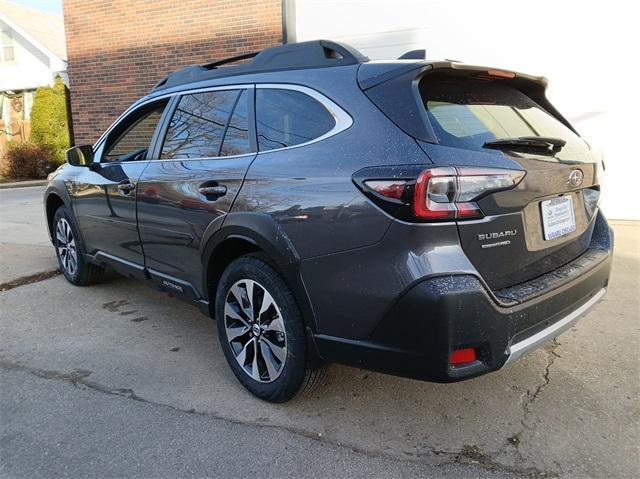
(237, 58)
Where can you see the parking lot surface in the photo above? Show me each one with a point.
(119, 380)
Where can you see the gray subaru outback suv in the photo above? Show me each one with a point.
(429, 219)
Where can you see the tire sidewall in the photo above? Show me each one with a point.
(292, 375)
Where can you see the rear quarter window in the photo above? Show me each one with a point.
(288, 117)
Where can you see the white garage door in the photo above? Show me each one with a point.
(585, 48)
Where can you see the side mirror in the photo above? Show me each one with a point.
(80, 155)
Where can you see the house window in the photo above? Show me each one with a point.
(6, 47)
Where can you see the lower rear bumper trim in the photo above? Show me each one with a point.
(532, 343)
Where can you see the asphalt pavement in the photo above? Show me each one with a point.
(119, 380)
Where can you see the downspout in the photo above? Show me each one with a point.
(288, 21)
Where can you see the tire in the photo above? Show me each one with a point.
(271, 325)
(70, 251)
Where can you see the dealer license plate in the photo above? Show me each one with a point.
(557, 217)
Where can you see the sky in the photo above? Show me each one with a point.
(53, 6)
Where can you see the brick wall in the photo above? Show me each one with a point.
(118, 49)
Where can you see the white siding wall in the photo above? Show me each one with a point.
(587, 49)
(31, 68)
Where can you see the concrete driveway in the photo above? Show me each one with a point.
(119, 380)
(24, 242)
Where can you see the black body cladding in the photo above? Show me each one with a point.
(351, 179)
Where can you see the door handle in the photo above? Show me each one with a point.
(125, 187)
(213, 191)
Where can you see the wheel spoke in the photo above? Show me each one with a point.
(267, 301)
(242, 355)
(72, 263)
(230, 312)
(276, 325)
(279, 352)
(234, 333)
(240, 299)
(248, 285)
(255, 374)
(269, 360)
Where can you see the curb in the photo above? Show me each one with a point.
(22, 184)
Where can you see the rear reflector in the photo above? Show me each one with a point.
(462, 356)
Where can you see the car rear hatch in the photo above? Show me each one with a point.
(468, 117)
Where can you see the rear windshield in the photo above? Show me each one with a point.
(466, 113)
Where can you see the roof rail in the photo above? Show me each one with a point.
(293, 56)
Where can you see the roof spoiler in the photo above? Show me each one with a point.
(414, 55)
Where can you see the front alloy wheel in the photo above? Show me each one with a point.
(70, 250)
(66, 247)
(255, 330)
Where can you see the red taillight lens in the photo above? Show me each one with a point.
(434, 194)
(462, 356)
(388, 188)
(450, 193)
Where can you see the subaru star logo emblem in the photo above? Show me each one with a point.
(575, 178)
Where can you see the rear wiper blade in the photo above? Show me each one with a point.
(554, 144)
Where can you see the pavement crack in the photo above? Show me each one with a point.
(469, 455)
(529, 397)
(30, 279)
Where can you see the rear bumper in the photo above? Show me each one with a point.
(524, 347)
(445, 313)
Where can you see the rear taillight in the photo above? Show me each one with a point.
(449, 193)
(434, 194)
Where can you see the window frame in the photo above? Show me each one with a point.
(343, 120)
(11, 44)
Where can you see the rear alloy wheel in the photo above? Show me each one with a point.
(255, 330)
(70, 251)
(261, 330)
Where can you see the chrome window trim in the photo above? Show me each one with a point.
(342, 119)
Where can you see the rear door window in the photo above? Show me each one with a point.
(236, 139)
(201, 121)
(289, 117)
(466, 113)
